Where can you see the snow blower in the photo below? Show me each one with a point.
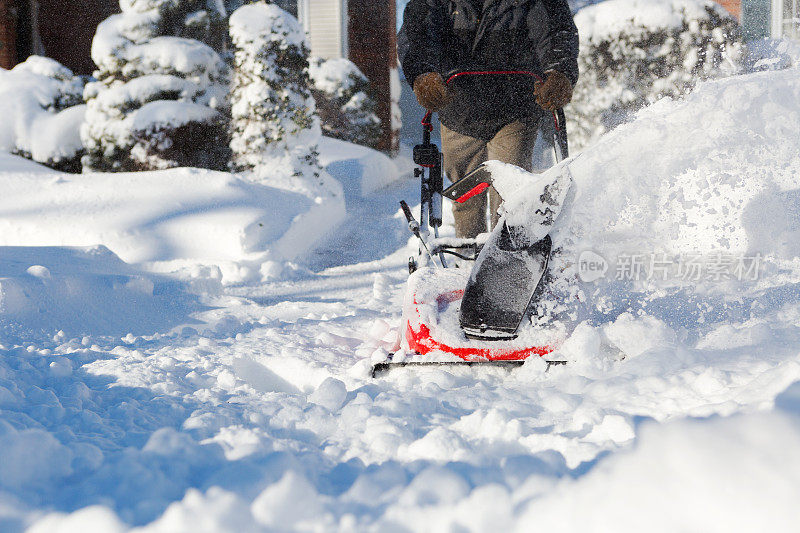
(463, 316)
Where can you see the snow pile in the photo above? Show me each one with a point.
(633, 52)
(772, 54)
(719, 176)
(710, 219)
(342, 94)
(206, 224)
(40, 105)
(160, 99)
(82, 291)
(718, 475)
(203, 224)
(361, 170)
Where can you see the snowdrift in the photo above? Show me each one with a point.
(80, 253)
(46, 291)
(713, 475)
(715, 172)
(203, 223)
(691, 213)
(168, 219)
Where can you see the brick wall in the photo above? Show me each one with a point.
(373, 48)
(734, 7)
(8, 34)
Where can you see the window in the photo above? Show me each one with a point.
(786, 19)
(790, 19)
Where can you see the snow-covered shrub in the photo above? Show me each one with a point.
(575, 5)
(771, 54)
(344, 104)
(634, 52)
(160, 99)
(41, 106)
(274, 125)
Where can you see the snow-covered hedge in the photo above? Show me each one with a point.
(634, 52)
(41, 107)
(345, 106)
(274, 125)
(160, 99)
(771, 54)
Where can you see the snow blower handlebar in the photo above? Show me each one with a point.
(429, 159)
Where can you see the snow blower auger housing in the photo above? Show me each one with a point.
(458, 316)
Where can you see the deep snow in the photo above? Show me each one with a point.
(261, 416)
(205, 223)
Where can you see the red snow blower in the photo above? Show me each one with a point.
(463, 316)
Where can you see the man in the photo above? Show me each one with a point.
(493, 116)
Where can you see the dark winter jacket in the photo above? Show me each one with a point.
(456, 35)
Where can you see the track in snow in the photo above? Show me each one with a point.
(272, 404)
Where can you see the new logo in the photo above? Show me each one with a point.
(591, 266)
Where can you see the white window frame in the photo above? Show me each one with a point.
(302, 14)
(779, 18)
(345, 20)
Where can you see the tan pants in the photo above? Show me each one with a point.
(463, 154)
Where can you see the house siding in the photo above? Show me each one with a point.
(325, 27)
(756, 19)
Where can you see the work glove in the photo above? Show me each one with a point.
(431, 91)
(555, 92)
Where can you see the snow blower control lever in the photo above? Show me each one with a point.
(413, 226)
(429, 159)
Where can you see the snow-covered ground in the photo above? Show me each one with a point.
(248, 406)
